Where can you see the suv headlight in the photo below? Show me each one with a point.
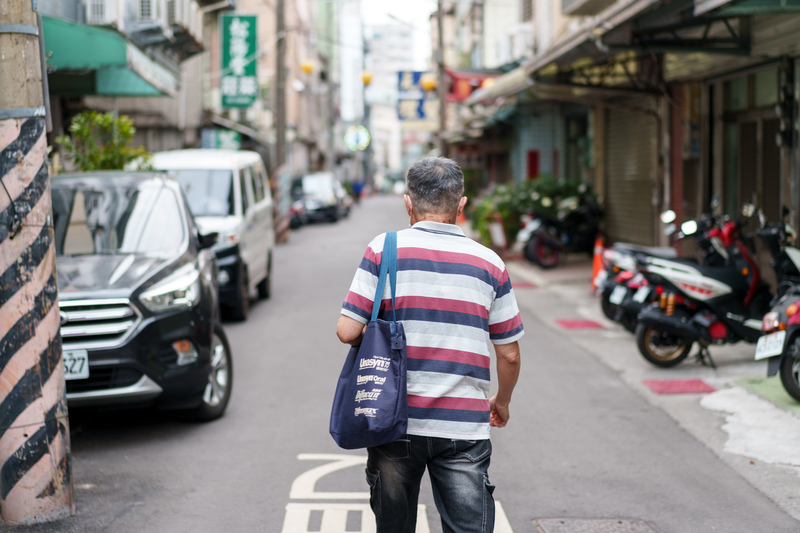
(180, 289)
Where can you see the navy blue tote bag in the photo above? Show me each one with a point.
(370, 406)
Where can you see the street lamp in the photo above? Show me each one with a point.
(428, 81)
(307, 66)
(366, 77)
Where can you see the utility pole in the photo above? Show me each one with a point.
(35, 462)
(280, 85)
(440, 86)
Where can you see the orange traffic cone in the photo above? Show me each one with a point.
(597, 261)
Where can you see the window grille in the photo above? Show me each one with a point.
(97, 11)
(147, 10)
(527, 10)
(172, 12)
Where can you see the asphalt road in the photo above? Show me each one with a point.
(581, 444)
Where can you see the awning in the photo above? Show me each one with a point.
(745, 7)
(241, 128)
(509, 83)
(87, 60)
(463, 83)
(567, 49)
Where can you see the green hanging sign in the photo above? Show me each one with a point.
(238, 83)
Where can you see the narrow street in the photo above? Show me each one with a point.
(581, 443)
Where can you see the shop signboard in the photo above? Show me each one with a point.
(417, 109)
(239, 81)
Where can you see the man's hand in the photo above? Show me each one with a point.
(508, 362)
(499, 414)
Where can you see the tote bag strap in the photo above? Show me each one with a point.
(388, 267)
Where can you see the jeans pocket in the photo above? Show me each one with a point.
(374, 481)
(395, 451)
(472, 450)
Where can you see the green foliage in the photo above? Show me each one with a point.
(540, 196)
(99, 141)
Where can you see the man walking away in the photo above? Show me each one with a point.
(454, 298)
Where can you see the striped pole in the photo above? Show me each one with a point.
(35, 464)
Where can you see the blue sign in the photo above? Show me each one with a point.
(413, 102)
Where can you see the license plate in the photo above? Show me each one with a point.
(618, 294)
(76, 364)
(641, 294)
(770, 345)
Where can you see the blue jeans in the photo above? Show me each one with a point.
(458, 472)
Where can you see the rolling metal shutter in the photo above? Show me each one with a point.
(631, 166)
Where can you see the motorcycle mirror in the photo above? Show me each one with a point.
(748, 210)
(689, 227)
(668, 216)
(714, 202)
(670, 229)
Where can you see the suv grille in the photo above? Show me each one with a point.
(96, 323)
(104, 379)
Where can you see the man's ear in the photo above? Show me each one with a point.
(407, 200)
(461, 204)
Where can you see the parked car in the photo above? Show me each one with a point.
(229, 193)
(323, 196)
(138, 295)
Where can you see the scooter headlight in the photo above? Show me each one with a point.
(770, 322)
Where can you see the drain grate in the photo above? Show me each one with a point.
(580, 525)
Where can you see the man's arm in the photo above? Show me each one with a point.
(508, 363)
(350, 331)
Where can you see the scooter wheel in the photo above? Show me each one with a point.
(541, 252)
(660, 348)
(790, 375)
(609, 309)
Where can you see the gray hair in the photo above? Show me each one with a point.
(435, 185)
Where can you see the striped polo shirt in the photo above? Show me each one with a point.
(454, 298)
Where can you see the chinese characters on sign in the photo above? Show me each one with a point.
(416, 107)
(239, 83)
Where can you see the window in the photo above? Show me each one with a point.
(526, 10)
(244, 179)
(209, 191)
(172, 15)
(258, 184)
(147, 10)
(97, 11)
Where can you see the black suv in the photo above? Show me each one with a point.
(137, 295)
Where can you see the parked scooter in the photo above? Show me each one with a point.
(573, 229)
(707, 305)
(626, 292)
(780, 344)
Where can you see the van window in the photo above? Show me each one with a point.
(209, 192)
(247, 193)
(258, 183)
(265, 181)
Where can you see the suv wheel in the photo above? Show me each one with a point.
(220, 380)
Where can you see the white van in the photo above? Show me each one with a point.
(229, 193)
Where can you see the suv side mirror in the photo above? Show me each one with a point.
(208, 240)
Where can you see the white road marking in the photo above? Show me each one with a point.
(303, 485)
(334, 515)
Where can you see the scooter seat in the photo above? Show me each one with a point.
(665, 252)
